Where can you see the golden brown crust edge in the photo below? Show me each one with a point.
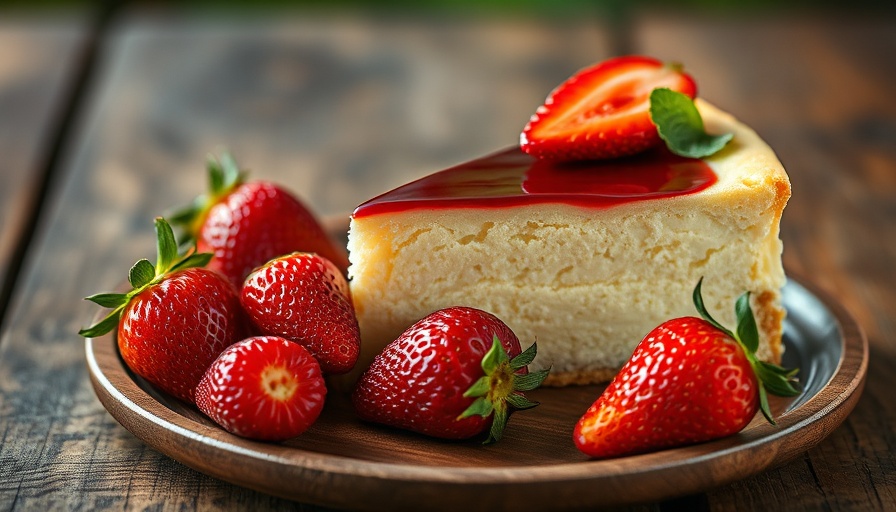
(770, 317)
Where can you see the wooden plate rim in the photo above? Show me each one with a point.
(335, 480)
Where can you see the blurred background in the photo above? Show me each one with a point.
(356, 97)
(377, 92)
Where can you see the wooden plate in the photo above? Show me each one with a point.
(342, 462)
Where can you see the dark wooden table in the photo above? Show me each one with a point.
(106, 118)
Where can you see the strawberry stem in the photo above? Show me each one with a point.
(501, 385)
(701, 308)
(224, 176)
(771, 378)
(144, 274)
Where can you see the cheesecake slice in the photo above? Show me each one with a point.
(585, 257)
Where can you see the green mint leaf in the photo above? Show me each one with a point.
(747, 332)
(103, 326)
(679, 124)
(166, 246)
(109, 300)
(141, 274)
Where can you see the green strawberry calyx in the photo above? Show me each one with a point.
(502, 386)
(772, 378)
(224, 176)
(143, 275)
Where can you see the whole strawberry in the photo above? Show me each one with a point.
(176, 319)
(245, 224)
(453, 374)
(304, 298)
(263, 387)
(602, 111)
(689, 380)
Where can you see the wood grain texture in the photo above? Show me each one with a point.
(338, 109)
(37, 69)
(819, 91)
(343, 108)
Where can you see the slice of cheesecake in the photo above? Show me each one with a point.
(585, 258)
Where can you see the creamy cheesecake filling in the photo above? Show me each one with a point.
(586, 282)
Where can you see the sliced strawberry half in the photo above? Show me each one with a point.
(602, 111)
(264, 387)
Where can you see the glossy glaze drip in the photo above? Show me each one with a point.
(513, 178)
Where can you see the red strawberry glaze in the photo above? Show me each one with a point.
(513, 178)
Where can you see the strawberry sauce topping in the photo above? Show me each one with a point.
(513, 178)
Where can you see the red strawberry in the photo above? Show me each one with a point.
(246, 224)
(450, 375)
(304, 298)
(690, 380)
(265, 388)
(602, 111)
(176, 319)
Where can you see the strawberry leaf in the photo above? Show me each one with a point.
(502, 385)
(747, 332)
(529, 381)
(772, 378)
(231, 170)
(524, 358)
(498, 423)
(185, 215)
(787, 373)
(215, 175)
(520, 402)
(199, 259)
(777, 379)
(109, 300)
(494, 357)
(479, 388)
(141, 274)
(166, 246)
(763, 405)
(678, 122)
(701, 308)
(480, 407)
(103, 326)
(223, 177)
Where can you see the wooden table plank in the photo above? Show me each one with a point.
(337, 108)
(38, 67)
(819, 91)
